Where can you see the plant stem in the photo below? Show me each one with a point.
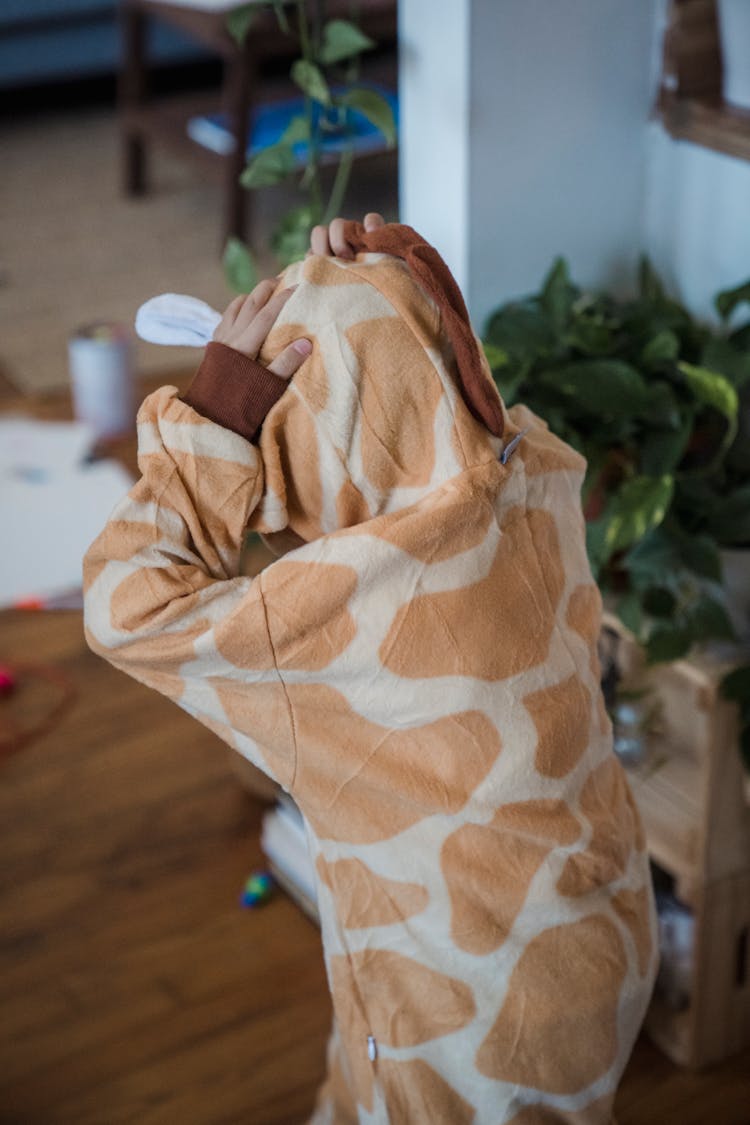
(340, 183)
(312, 173)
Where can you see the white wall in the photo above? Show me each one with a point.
(434, 145)
(524, 136)
(560, 101)
(697, 220)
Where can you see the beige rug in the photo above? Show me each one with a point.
(73, 249)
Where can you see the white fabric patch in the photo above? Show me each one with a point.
(173, 318)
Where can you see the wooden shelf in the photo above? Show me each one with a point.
(690, 793)
(666, 791)
(719, 126)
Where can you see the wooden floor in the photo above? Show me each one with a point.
(133, 987)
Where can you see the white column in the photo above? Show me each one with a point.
(524, 137)
(434, 157)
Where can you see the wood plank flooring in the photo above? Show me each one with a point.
(133, 987)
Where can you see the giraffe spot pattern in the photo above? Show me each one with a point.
(365, 900)
(266, 719)
(289, 446)
(615, 831)
(546, 1005)
(398, 440)
(382, 781)
(416, 1092)
(632, 908)
(303, 636)
(351, 506)
(421, 533)
(584, 614)
(488, 868)
(406, 740)
(407, 1002)
(546, 454)
(473, 632)
(561, 715)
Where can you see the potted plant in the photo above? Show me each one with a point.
(333, 104)
(658, 405)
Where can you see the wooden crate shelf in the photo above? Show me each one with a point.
(690, 790)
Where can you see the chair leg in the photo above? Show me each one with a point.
(131, 95)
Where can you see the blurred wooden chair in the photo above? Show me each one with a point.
(145, 120)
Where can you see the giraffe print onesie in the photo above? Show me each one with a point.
(420, 675)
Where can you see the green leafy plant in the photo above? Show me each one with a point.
(327, 74)
(658, 405)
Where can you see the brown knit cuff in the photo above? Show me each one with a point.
(233, 390)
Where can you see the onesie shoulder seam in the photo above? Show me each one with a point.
(281, 681)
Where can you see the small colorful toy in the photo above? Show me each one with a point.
(7, 680)
(258, 889)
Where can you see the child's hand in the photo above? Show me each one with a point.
(330, 240)
(248, 320)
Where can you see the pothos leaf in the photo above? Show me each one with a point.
(342, 40)
(558, 296)
(638, 506)
(374, 107)
(668, 642)
(269, 167)
(311, 81)
(291, 237)
(281, 16)
(728, 300)
(712, 389)
(496, 357)
(649, 283)
(240, 20)
(239, 266)
(297, 131)
(736, 684)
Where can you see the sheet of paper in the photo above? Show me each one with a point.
(48, 523)
(28, 445)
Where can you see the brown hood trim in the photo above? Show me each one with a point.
(430, 271)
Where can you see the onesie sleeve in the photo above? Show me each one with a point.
(234, 390)
(164, 600)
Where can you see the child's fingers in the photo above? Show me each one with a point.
(330, 240)
(254, 302)
(291, 359)
(230, 315)
(339, 245)
(251, 335)
(319, 241)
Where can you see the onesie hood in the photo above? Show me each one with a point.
(395, 399)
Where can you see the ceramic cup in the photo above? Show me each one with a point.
(101, 374)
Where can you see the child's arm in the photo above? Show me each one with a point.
(163, 597)
(231, 387)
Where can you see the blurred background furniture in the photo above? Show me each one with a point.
(145, 120)
(44, 41)
(690, 791)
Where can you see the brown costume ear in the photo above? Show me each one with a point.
(428, 268)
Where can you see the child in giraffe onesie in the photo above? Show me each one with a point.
(419, 672)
